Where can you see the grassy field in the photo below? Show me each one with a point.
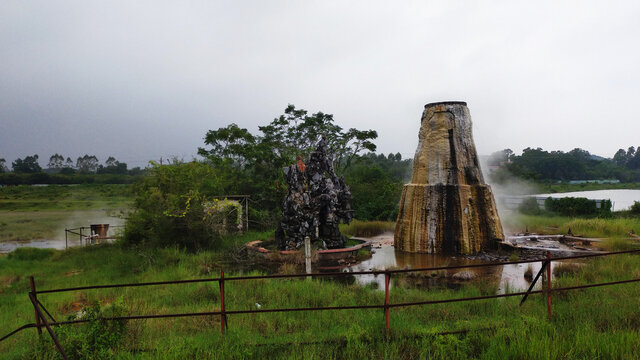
(593, 323)
(616, 231)
(598, 323)
(42, 212)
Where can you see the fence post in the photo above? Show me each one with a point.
(387, 277)
(33, 291)
(246, 214)
(81, 235)
(32, 297)
(223, 316)
(307, 256)
(548, 285)
(66, 241)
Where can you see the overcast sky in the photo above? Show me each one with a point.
(141, 80)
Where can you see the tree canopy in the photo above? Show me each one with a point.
(295, 133)
(87, 164)
(255, 161)
(28, 165)
(56, 162)
(577, 164)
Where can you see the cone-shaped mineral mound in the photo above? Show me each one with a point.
(447, 207)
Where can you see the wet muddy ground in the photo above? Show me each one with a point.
(504, 277)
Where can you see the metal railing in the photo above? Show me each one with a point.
(41, 320)
(84, 238)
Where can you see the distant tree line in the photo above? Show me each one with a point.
(577, 164)
(59, 170)
(87, 164)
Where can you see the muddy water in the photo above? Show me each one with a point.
(504, 277)
(6, 247)
(75, 219)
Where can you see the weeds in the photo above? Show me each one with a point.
(599, 322)
(565, 269)
(367, 228)
(528, 273)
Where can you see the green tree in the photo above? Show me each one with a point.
(577, 164)
(295, 133)
(230, 143)
(28, 165)
(112, 166)
(620, 158)
(255, 162)
(87, 164)
(634, 162)
(376, 184)
(3, 166)
(500, 157)
(56, 162)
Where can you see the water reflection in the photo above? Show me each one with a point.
(503, 277)
(6, 247)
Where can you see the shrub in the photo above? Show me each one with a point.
(529, 206)
(171, 206)
(96, 339)
(571, 206)
(566, 269)
(528, 273)
(635, 208)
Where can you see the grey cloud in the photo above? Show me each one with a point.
(140, 80)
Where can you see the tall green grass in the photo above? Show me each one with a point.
(593, 323)
(595, 227)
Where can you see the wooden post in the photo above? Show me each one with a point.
(387, 277)
(223, 316)
(66, 240)
(307, 255)
(33, 291)
(80, 235)
(246, 213)
(548, 284)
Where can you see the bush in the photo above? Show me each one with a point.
(635, 208)
(529, 206)
(96, 339)
(571, 206)
(171, 206)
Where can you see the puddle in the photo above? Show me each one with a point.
(503, 277)
(6, 247)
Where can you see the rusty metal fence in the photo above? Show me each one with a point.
(41, 319)
(87, 237)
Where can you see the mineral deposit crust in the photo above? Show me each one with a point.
(447, 207)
